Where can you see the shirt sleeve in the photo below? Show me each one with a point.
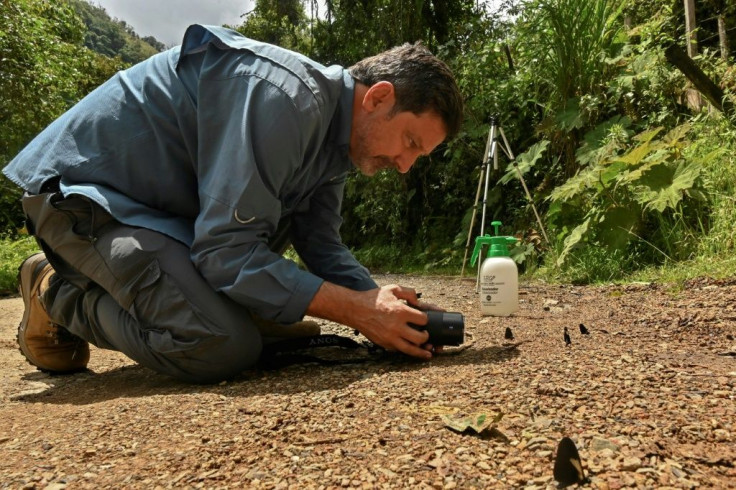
(316, 238)
(251, 139)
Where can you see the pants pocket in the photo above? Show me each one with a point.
(171, 322)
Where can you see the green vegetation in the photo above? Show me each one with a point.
(632, 181)
(44, 70)
(46, 67)
(113, 37)
(12, 253)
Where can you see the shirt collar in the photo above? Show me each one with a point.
(343, 120)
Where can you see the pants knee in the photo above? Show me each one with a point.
(219, 359)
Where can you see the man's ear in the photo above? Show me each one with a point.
(377, 94)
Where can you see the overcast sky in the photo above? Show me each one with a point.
(166, 20)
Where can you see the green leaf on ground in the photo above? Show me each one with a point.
(481, 424)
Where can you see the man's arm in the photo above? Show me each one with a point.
(379, 314)
(315, 234)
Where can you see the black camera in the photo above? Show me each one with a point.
(444, 327)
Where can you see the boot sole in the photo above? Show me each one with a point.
(25, 283)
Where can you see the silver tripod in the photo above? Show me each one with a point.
(491, 154)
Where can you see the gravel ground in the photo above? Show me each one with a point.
(648, 397)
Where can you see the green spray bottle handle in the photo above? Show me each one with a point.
(479, 242)
(498, 244)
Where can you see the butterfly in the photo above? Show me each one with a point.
(568, 340)
(509, 335)
(584, 330)
(568, 467)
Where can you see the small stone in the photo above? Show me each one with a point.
(536, 441)
(722, 435)
(599, 444)
(614, 483)
(631, 464)
(605, 453)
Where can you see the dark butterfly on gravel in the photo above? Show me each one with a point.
(568, 340)
(568, 467)
(584, 330)
(509, 335)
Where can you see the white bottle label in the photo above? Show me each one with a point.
(499, 284)
(489, 290)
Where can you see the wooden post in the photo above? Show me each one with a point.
(723, 36)
(691, 38)
(690, 26)
(705, 85)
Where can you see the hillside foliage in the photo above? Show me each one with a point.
(113, 37)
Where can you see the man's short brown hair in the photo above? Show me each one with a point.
(422, 82)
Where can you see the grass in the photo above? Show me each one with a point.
(713, 267)
(604, 271)
(12, 253)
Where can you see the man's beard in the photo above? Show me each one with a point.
(372, 165)
(362, 159)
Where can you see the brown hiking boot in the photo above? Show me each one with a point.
(271, 329)
(45, 344)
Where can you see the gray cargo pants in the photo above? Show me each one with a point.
(136, 291)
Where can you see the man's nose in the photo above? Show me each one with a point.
(405, 161)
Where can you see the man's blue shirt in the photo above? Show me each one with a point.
(214, 143)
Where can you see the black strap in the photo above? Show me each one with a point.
(292, 351)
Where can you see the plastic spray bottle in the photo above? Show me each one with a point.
(499, 277)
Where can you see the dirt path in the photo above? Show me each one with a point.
(649, 397)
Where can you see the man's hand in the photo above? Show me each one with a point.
(380, 314)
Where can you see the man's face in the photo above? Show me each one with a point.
(380, 140)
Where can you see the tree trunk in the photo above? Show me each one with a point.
(628, 23)
(723, 37)
(690, 26)
(692, 48)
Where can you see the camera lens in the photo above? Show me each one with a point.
(445, 328)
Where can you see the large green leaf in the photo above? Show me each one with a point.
(525, 161)
(570, 117)
(641, 151)
(616, 224)
(612, 172)
(633, 175)
(676, 134)
(573, 239)
(663, 188)
(564, 215)
(585, 179)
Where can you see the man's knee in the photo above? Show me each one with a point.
(218, 358)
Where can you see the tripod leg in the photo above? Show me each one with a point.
(472, 221)
(506, 148)
(510, 154)
(483, 168)
(483, 219)
(488, 158)
(531, 201)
